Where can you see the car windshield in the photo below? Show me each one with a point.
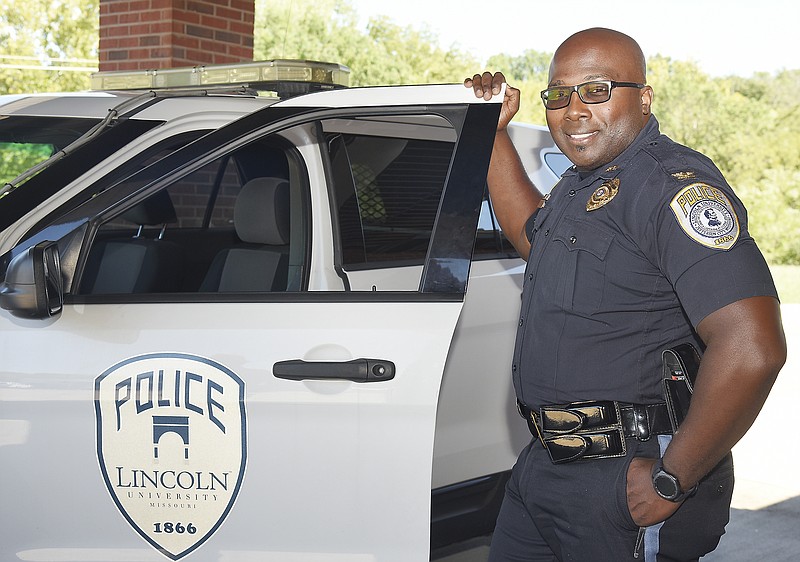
(26, 141)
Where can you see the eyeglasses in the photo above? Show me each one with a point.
(597, 91)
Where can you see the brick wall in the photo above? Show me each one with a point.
(146, 34)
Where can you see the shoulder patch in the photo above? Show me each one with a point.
(706, 215)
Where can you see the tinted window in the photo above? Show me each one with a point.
(19, 200)
(557, 162)
(26, 141)
(225, 228)
(387, 192)
(490, 241)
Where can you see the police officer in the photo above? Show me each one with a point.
(640, 248)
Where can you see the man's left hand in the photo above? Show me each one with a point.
(646, 506)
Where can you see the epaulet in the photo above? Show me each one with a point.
(682, 163)
(684, 175)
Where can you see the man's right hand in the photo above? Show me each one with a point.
(514, 197)
(486, 85)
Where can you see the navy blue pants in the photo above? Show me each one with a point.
(578, 511)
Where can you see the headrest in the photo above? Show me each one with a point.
(261, 213)
(156, 209)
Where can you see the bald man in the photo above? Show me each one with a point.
(640, 268)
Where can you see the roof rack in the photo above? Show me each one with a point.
(285, 77)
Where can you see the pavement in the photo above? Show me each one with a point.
(765, 511)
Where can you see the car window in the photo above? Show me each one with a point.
(388, 179)
(490, 243)
(18, 200)
(557, 162)
(25, 141)
(241, 223)
(224, 228)
(19, 156)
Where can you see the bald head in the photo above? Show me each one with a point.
(592, 134)
(622, 54)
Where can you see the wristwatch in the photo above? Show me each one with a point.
(667, 486)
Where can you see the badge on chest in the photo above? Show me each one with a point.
(603, 194)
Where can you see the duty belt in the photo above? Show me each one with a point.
(594, 429)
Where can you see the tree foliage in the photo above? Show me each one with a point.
(57, 33)
(328, 30)
(750, 127)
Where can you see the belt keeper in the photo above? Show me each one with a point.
(642, 419)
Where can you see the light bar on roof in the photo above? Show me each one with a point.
(254, 74)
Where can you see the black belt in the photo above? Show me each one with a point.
(595, 429)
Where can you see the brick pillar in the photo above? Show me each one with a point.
(148, 34)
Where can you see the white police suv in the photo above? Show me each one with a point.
(240, 327)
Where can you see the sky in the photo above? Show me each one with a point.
(722, 36)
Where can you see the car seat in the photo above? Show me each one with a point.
(260, 262)
(137, 264)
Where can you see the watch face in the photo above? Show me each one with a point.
(666, 486)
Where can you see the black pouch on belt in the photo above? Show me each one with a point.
(680, 371)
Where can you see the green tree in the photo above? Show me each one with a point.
(59, 33)
(528, 72)
(774, 205)
(16, 158)
(328, 30)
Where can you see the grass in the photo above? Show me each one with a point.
(787, 280)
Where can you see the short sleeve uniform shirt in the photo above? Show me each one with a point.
(625, 262)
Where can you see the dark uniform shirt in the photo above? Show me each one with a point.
(608, 289)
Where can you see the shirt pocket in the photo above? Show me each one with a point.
(585, 270)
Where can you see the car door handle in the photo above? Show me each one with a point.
(357, 370)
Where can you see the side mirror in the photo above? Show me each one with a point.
(33, 287)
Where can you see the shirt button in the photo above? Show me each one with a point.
(547, 232)
(521, 321)
(572, 193)
(572, 239)
(530, 277)
(513, 367)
